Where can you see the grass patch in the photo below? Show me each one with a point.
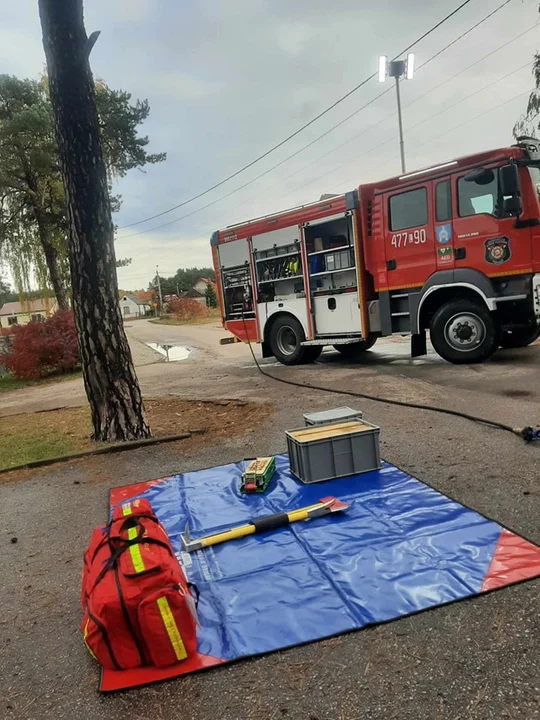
(213, 316)
(36, 436)
(10, 382)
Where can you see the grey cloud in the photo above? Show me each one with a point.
(228, 79)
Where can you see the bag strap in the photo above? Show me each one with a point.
(124, 545)
(193, 588)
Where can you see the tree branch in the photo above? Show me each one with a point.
(92, 40)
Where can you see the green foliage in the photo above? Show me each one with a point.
(5, 292)
(183, 280)
(211, 297)
(119, 120)
(33, 220)
(30, 185)
(124, 262)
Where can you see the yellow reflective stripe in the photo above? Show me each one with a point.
(85, 633)
(170, 627)
(135, 552)
(126, 509)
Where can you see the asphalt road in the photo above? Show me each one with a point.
(477, 659)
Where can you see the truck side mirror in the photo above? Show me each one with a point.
(509, 179)
(513, 206)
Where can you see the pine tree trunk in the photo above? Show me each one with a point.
(109, 376)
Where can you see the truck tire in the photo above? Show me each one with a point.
(520, 337)
(463, 331)
(355, 350)
(286, 338)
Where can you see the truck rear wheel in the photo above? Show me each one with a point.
(520, 337)
(354, 350)
(286, 338)
(464, 332)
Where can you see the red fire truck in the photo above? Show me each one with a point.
(454, 249)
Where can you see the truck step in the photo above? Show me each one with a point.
(331, 341)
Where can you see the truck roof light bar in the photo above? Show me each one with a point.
(428, 170)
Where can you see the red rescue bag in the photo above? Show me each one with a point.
(138, 609)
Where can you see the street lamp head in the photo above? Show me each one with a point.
(396, 68)
(410, 66)
(383, 67)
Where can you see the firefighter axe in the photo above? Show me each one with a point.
(325, 506)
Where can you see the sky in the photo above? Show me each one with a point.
(226, 81)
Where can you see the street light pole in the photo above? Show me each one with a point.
(397, 69)
(159, 290)
(400, 123)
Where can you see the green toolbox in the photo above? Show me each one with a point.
(258, 474)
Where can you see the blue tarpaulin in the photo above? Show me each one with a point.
(400, 548)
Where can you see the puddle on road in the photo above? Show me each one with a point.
(173, 353)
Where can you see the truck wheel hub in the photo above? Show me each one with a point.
(286, 340)
(465, 332)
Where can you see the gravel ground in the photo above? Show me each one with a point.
(476, 659)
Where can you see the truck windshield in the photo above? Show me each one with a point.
(535, 176)
(476, 199)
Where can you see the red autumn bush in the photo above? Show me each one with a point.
(186, 309)
(43, 348)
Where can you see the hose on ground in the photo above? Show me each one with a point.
(528, 434)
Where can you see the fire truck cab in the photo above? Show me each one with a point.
(453, 249)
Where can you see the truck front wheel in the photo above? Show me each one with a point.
(464, 332)
(286, 338)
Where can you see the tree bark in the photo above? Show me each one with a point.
(109, 376)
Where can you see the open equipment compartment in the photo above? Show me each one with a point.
(279, 272)
(237, 291)
(333, 283)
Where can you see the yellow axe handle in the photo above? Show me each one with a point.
(269, 522)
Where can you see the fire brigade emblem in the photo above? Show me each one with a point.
(443, 233)
(497, 250)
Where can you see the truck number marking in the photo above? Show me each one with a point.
(409, 238)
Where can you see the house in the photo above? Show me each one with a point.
(198, 291)
(148, 297)
(131, 306)
(16, 313)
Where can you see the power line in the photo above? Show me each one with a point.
(377, 125)
(327, 132)
(506, 102)
(456, 127)
(469, 120)
(306, 125)
(250, 182)
(392, 139)
(486, 112)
